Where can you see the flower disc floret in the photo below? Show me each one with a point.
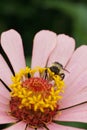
(39, 92)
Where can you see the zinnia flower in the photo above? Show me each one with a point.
(33, 98)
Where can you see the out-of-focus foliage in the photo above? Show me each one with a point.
(77, 12)
(30, 16)
(28, 61)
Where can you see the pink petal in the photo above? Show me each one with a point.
(4, 91)
(54, 126)
(5, 73)
(63, 51)
(12, 45)
(77, 65)
(40, 128)
(28, 128)
(76, 99)
(4, 107)
(44, 43)
(4, 99)
(6, 118)
(18, 126)
(77, 92)
(78, 114)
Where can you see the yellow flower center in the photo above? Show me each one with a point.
(35, 95)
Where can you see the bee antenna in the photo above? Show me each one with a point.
(66, 70)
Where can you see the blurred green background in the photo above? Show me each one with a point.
(30, 16)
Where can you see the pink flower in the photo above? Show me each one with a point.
(47, 48)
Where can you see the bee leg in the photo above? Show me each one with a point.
(62, 75)
(45, 74)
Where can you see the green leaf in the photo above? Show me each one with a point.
(80, 125)
(3, 126)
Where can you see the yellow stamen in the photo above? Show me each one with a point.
(37, 100)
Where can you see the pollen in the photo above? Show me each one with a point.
(35, 92)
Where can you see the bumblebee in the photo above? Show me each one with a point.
(57, 68)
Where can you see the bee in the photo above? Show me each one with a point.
(58, 69)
